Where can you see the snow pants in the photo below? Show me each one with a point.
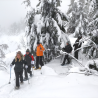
(19, 75)
(39, 60)
(66, 58)
(76, 54)
(28, 70)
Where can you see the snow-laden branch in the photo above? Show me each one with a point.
(86, 39)
(82, 48)
(91, 57)
(3, 67)
(91, 41)
(4, 46)
(94, 44)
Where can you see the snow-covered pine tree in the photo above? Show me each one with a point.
(92, 32)
(83, 19)
(72, 17)
(93, 28)
(2, 54)
(31, 30)
(30, 26)
(92, 16)
(48, 28)
(78, 18)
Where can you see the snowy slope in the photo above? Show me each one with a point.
(50, 82)
(13, 42)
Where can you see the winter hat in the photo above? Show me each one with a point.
(79, 37)
(68, 42)
(19, 52)
(27, 50)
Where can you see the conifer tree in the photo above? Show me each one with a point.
(2, 54)
(49, 30)
(78, 18)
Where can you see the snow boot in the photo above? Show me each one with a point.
(68, 63)
(62, 64)
(31, 75)
(21, 82)
(39, 68)
(35, 69)
(25, 79)
(17, 87)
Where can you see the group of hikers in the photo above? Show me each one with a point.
(68, 49)
(26, 62)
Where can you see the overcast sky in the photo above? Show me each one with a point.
(13, 10)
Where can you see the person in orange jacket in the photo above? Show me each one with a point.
(39, 55)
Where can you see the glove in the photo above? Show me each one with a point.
(61, 52)
(11, 65)
(32, 62)
(26, 66)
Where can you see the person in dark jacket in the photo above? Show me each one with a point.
(76, 46)
(30, 63)
(18, 69)
(67, 49)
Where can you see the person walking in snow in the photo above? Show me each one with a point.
(67, 49)
(76, 46)
(30, 63)
(18, 69)
(39, 55)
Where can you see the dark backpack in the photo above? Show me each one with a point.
(70, 49)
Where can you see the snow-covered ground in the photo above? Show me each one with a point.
(51, 84)
(53, 81)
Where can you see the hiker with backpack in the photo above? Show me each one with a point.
(39, 55)
(18, 69)
(67, 49)
(30, 63)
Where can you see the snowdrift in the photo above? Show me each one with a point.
(48, 71)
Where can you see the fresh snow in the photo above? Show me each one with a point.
(52, 81)
(12, 40)
(47, 83)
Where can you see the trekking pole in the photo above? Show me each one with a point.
(32, 71)
(10, 76)
(28, 80)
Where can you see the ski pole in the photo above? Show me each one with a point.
(10, 76)
(28, 80)
(33, 71)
